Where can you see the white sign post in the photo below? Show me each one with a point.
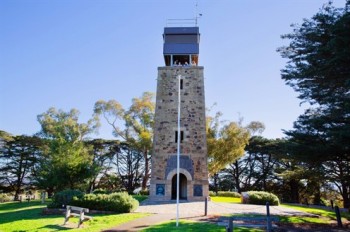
(178, 153)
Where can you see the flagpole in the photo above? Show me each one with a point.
(178, 153)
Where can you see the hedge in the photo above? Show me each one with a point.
(4, 197)
(224, 194)
(116, 202)
(259, 198)
(63, 198)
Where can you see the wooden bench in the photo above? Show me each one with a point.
(73, 211)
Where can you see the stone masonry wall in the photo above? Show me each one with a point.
(192, 124)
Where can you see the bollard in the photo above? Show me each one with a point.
(43, 196)
(230, 224)
(337, 213)
(268, 226)
(332, 204)
(206, 206)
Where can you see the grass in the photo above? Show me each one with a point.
(226, 199)
(21, 217)
(140, 198)
(186, 225)
(320, 212)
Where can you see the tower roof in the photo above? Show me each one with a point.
(181, 40)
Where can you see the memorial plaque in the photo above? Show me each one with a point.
(197, 190)
(160, 189)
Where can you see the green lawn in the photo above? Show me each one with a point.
(225, 199)
(21, 217)
(329, 214)
(186, 225)
(140, 198)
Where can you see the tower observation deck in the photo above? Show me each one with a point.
(181, 46)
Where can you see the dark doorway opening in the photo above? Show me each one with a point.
(182, 187)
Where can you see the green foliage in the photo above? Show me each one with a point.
(140, 198)
(260, 198)
(4, 197)
(318, 69)
(225, 143)
(212, 193)
(100, 191)
(18, 156)
(228, 194)
(225, 194)
(63, 198)
(135, 126)
(104, 152)
(144, 192)
(116, 202)
(67, 160)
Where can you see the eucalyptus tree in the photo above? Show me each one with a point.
(103, 154)
(134, 126)
(129, 164)
(225, 141)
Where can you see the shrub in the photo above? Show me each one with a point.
(228, 194)
(117, 202)
(259, 198)
(144, 192)
(4, 197)
(100, 191)
(225, 194)
(63, 198)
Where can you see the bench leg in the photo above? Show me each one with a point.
(81, 219)
(67, 217)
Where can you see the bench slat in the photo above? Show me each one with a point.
(75, 208)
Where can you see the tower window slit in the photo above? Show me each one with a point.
(181, 136)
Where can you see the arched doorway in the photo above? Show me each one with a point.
(182, 185)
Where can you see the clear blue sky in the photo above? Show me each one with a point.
(69, 54)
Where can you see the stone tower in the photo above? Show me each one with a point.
(181, 71)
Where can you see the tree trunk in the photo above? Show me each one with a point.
(216, 183)
(294, 191)
(49, 192)
(345, 194)
(146, 175)
(236, 177)
(317, 195)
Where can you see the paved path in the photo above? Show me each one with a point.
(190, 209)
(162, 212)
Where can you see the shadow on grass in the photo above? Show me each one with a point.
(15, 211)
(185, 225)
(56, 227)
(16, 205)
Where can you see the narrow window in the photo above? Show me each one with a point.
(181, 136)
(181, 83)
